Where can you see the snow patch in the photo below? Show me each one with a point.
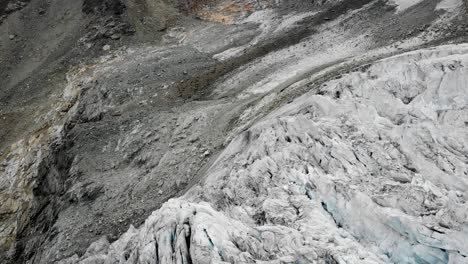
(402, 5)
(449, 5)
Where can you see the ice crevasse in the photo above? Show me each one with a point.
(370, 167)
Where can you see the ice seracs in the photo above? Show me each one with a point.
(371, 167)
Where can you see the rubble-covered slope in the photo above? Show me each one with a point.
(286, 131)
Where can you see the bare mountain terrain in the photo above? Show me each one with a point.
(217, 131)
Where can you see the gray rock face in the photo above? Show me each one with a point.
(286, 131)
(370, 168)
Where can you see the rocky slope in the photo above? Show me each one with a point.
(284, 131)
